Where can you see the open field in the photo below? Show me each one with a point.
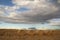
(13, 34)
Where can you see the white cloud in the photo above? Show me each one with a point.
(11, 8)
(54, 22)
(22, 2)
(36, 4)
(12, 14)
(1, 12)
(31, 4)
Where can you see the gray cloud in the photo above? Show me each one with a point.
(38, 14)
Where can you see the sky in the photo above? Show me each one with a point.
(18, 14)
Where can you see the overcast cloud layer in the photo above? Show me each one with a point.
(36, 11)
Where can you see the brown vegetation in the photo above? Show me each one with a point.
(13, 34)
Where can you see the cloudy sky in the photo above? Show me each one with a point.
(29, 13)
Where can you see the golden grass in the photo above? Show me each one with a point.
(13, 34)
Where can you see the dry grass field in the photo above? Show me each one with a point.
(13, 34)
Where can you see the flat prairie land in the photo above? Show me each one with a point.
(14, 34)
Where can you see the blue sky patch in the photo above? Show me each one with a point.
(6, 2)
(23, 9)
